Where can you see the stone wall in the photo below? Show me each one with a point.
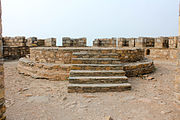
(49, 71)
(17, 47)
(55, 63)
(158, 53)
(2, 88)
(14, 41)
(32, 42)
(104, 42)
(143, 42)
(173, 42)
(69, 42)
(15, 52)
(126, 42)
(50, 42)
(64, 55)
(162, 42)
(177, 81)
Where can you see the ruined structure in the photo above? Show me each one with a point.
(126, 42)
(17, 47)
(69, 42)
(2, 88)
(177, 81)
(103, 67)
(104, 42)
(88, 69)
(155, 48)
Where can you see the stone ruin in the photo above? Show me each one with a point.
(17, 47)
(2, 88)
(103, 67)
(88, 69)
(79, 42)
(104, 42)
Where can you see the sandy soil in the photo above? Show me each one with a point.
(40, 99)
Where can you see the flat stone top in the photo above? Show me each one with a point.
(83, 48)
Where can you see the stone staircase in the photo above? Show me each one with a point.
(97, 71)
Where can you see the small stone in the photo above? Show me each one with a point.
(24, 89)
(28, 95)
(145, 76)
(162, 103)
(89, 100)
(156, 98)
(109, 118)
(149, 78)
(166, 112)
(85, 106)
(64, 98)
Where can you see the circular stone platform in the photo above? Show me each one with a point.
(55, 63)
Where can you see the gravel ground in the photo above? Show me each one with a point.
(39, 99)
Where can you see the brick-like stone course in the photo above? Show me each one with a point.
(15, 52)
(106, 42)
(162, 54)
(57, 72)
(32, 42)
(17, 47)
(71, 42)
(64, 55)
(50, 42)
(126, 42)
(14, 41)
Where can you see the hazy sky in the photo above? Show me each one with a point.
(90, 18)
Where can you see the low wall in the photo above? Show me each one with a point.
(64, 55)
(158, 53)
(60, 72)
(55, 63)
(139, 68)
(15, 52)
(43, 70)
(2, 92)
(177, 81)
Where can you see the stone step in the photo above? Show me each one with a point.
(97, 67)
(94, 55)
(92, 88)
(98, 50)
(95, 61)
(74, 73)
(98, 79)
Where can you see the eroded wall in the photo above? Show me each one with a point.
(106, 42)
(17, 47)
(177, 81)
(2, 88)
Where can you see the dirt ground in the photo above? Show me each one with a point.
(40, 99)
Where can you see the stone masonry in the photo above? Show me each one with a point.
(50, 42)
(162, 42)
(126, 42)
(78, 42)
(55, 63)
(104, 42)
(17, 47)
(2, 88)
(177, 81)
